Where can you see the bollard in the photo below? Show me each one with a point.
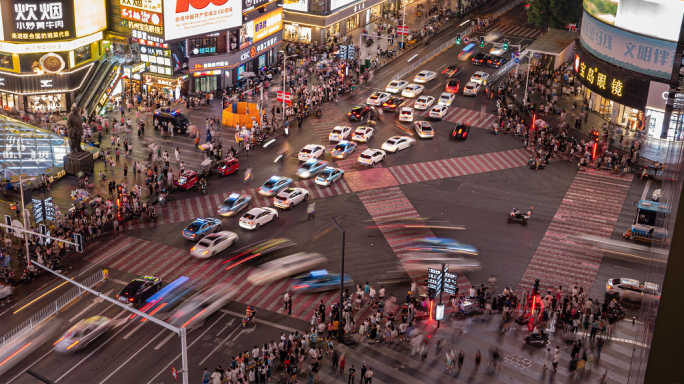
(105, 274)
(633, 320)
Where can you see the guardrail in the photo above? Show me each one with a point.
(505, 9)
(50, 309)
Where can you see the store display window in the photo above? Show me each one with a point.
(82, 54)
(45, 103)
(203, 45)
(6, 61)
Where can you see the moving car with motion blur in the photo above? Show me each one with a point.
(393, 103)
(460, 131)
(343, 149)
(319, 281)
(235, 203)
(377, 98)
(471, 89)
(256, 217)
(424, 76)
(453, 70)
(363, 134)
(371, 156)
(453, 85)
(290, 197)
(287, 266)
(139, 289)
(438, 244)
(496, 50)
(339, 133)
(479, 77)
(424, 129)
(396, 86)
(310, 151)
(446, 98)
(358, 113)
(193, 311)
(424, 102)
(201, 227)
(412, 90)
(438, 112)
(274, 185)
(497, 61)
(479, 59)
(396, 143)
(213, 244)
(311, 168)
(329, 176)
(631, 289)
(82, 334)
(406, 114)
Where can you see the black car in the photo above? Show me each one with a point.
(460, 131)
(453, 70)
(165, 115)
(393, 103)
(480, 59)
(139, 290)
(496, 61)
(358, 113)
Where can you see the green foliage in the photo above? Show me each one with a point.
(554, 13)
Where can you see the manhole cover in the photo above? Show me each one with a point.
(518, 362)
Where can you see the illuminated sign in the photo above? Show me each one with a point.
(216, 64)
(184, 18)
(207, 73)
(138, 67)
(334, 4)
(165, 82)
(296, 5)
(611, 82)
(57, 46)
(142, 35)
(149, 28)
(257, 49)
(250, 5)
(141, 16)
(268, 24)
(147, 5)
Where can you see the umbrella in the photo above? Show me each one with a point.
(247, 74)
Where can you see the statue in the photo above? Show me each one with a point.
(74, 129)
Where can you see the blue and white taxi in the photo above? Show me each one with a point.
(329, 176)
(343, 149)
(234, 203)
(201, 227)
(274, 185)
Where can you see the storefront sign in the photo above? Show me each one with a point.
(31, 20)
(141, 16)
(613, 83)
(250, 5)
(255, 50)
(115, 38)
(58, 46)
(61, 82)
(146, 5)
(138, 67)
(334, 4)
(141, 35)
(203, 63)
(149, 28)
(207, 73)
(267, 25)
(628, 50)
(186, 18)
(168, 83)
(296, 5)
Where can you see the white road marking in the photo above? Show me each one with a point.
(629, 269)
(227, 325)
(129, 334)
(161, 344)
(643, 195)
(240, 315)
(223, 342)
(133, 356)
(95, 302)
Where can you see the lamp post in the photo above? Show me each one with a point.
(284, 80)
(340, 334)
(403, 23)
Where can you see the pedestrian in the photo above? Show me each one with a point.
(352, 371)
(289, 306)
(125, 169)
(206, 375)
(556, 358)
(311, 210)
(594, 329)
(478, 358)
(286, 298)
(548, 357)
(461, 357)
(343, 360)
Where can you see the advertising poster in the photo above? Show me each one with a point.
(657, 18)
(247, 34)
(187, 18)
(296, 5)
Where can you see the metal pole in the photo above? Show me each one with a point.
(529, 64)
(184, 355)
(23, 214)
(441, 291)
(340, 333)
(284, 79)
(403, 24)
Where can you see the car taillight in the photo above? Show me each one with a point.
(192, 249)
(460, 130)
(117, 296)
(131, 299)
(465, 134)
(300, 286)
(72, 345)
(251, 222)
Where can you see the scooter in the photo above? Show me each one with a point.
(203, 189)
(494, 129)
(541, 337)
(533, 164)
(516, 214)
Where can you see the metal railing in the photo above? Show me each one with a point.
(505, 9)
(50, 309)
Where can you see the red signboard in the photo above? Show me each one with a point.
(280, 96)
(403, 30)
(174, 373)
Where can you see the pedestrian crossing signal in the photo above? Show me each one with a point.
(482, 42)
(458, 38)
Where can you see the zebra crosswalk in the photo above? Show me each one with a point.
(591, 206)
(515, 30)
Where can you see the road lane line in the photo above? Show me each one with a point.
(643, 195)
(161, 344)
(133, 355)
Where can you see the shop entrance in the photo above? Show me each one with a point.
(206, 84)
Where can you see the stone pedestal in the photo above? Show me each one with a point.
(76, 162)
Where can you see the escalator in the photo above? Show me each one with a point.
(99, 83)
(94, 80)
(89, 81)
(104, 89)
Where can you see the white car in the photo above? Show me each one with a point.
(412, 90)
(471, 89)
(310, 151)
(424, 102)
(377, 98)
(424, 129)
(256, 217)
(362, 134)
(438, 112)
(339, 133)
(372, 156)
(396, 86)
(446, 98)
(287, 266)
(479, 77)
(213, 244)
(406, 114)
(631, 289)
(290, 197)
(424, 76)
(396, 143)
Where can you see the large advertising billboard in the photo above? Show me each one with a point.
(296, 5)
(657, 18)
(260, 28)
(51, 20)
(628, 50)
(186, 18)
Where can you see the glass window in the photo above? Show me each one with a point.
(82, 54)
(333, 30)
(202, 45)
(352, 22)
(45, 103)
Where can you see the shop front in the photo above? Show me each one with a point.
(116, 43)
(156, 87)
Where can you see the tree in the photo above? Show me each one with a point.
(554, 13)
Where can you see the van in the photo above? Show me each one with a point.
(164, 115)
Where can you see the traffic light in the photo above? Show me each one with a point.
(79, 242)
(505, 45)
(482, 42)
(458, 38)
(535, 288)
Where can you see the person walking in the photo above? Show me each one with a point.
(343, 360)
(311, 210)
(478, 358)
(556, 358)
(206, 376)
(461, 357)
(352, 372)
(548, 357)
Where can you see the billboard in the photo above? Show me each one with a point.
(260, 28)
(628, 50)
(658, 18)
(186, 18)
(296, 5)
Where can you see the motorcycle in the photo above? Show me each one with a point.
(516, 214)
(319, 112)
(532, 162)
(541, 337)
(153, 215)
(203, 189)
(494, 129)
(369, 42)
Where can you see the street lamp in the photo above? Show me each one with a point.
(340, 333)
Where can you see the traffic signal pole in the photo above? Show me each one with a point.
(442, 290)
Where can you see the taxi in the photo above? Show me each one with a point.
(329, 176)
(274, 185)
(213, 244)
(412, 90)
(396, 143)
(396, 86)
(233, 204)
(319, 281)
(187, 180)
(371, 156)
(310, 151)
(139, 289)
(82, 334)
(363, 134)
(446, 98)
(290, 197)
(406, 114)
(339, 133)
(228, 166)
(424, 102)
(311, 168)
(438, 112)
(479, 77)
(471, 89)
(442, 245)
(343, 149)
(424, 129)
(201, 227)
(377, 98)
(424, 76)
